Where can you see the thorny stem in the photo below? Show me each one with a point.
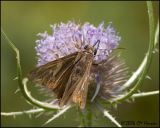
(42, 104)
(138, 76)
(32, 111)
(82, 122)
(156, 35)
(59, 113)
(144, 94)
(86, 116)
(89, 117)
(22, 83)
(142, 70)
(108, 115)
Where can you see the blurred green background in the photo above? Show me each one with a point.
(23, 20)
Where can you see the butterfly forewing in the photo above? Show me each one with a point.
(50, 73)
(77, 85)
(67, 77)
(80, 93)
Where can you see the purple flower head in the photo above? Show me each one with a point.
(70, 37)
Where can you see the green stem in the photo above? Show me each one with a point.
(22, 83)
(146, 61)
(156, 39)
(108, 115)
(35, 101)
(89, 116)
(81, 115)
(144, 94)
(86, 116)
(58, 114)
(32, 111)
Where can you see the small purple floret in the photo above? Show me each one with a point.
(70, 37)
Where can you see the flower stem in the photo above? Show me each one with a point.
(89, 116)
(35, 101)
(22, 83)
(108, 115)
(32, 111)
(82, 122)
(141, 72)
(86, 116)
(144, 94)
(60, 112)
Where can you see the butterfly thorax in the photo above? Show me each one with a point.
(89, 49)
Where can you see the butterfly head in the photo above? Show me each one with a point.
(93, 49)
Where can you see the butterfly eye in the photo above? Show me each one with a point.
(86, 46)
(95, 51)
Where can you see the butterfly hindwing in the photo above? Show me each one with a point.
(67, 77)
(77, 86)
(51, 73)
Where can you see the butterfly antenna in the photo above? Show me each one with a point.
(98, 41)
